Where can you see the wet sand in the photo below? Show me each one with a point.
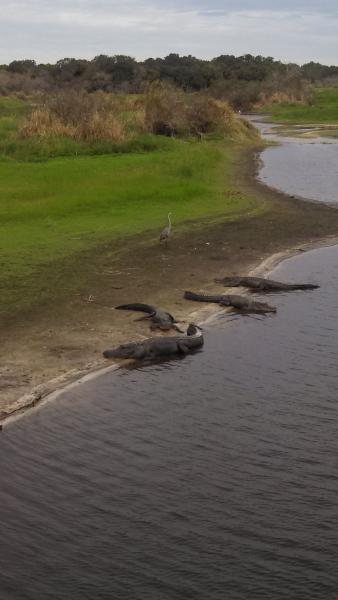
(59, 343)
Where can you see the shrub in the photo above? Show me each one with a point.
(164, 109)
(170, 111)
(205, 115)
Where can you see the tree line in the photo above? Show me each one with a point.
(243, 80)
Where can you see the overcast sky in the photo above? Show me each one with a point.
(46, 30)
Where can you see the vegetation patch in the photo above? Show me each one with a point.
(78, 123)
(322, 107)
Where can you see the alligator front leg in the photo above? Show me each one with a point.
(177, 329)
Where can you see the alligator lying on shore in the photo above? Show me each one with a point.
(259, 284)
(241, 303)
(160, 319)
(159, 347)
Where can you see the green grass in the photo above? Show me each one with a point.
(12, 106)
(11, 109)
(53, 208)
(324, 108)
(35, 149)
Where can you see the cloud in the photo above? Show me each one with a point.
(48, 30)
(302, 6)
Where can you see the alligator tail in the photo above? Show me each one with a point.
(147, 308)
(304, 286)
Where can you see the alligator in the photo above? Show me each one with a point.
(160, 319)
(259, 284)
(241, 303)
(159, 347)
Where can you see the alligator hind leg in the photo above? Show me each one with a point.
(183, 348)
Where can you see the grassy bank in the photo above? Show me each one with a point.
(54, 209)
(323, 108)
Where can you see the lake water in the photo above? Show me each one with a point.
(306, 167)
(212, 477)
(215, 476)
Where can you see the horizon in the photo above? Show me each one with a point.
(39, 30)
(91, 58)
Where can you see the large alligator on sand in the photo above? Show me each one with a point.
(160, 319)
(259, 284)
(159, 347)
(240, 303)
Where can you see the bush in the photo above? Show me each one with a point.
(170, 111)
(164, 109)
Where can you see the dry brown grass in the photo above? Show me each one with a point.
(78, 115)
(41, 122)
(101, 127)
(296, 96)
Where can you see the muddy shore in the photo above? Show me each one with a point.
(59, 343)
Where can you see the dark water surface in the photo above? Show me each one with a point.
(306, 167)
(212, 477)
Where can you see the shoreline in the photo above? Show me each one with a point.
(49, 392)
(247, 251)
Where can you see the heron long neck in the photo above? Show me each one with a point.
(169, 221)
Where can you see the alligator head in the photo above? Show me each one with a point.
(194, 330)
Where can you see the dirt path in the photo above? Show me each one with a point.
(68, 336)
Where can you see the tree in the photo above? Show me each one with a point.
(22, 66)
